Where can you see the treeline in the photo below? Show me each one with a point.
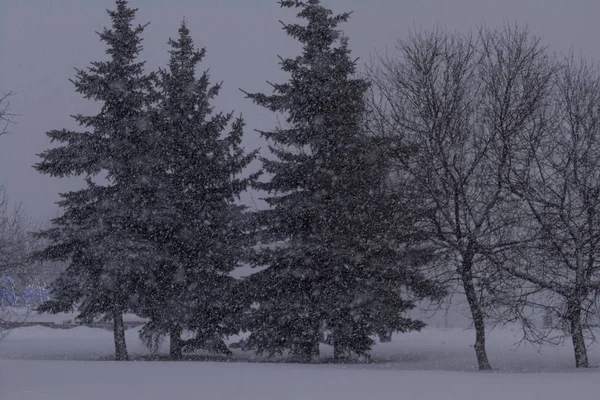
(460, 159)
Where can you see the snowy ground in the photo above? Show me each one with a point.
(73, 364)
(68, 380)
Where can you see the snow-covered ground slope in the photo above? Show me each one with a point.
(63, 364)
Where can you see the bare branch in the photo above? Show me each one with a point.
(461, 103)
(6, 117)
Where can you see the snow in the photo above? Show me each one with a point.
(66, 380)
(61, 364)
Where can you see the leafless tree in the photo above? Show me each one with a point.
(556, 174)
(14, 238)
(5, 114)
(460, 102)
(16, 245)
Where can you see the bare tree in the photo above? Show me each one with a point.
(13, 236)
(460, 102)
(14, 241)
(5, 114)
(15, 266)
(556, 174)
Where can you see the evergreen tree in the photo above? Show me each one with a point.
(198, 225)
(101, 232)
(337, 260)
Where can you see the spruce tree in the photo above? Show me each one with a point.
(199, 226)
(336, 259)
(101, 232)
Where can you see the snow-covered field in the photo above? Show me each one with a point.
(74, 364)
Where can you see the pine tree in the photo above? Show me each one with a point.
(101, 232)
(199, 226)
(336, 259)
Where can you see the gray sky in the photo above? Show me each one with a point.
(41, 41)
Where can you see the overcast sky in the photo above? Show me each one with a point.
(41, 41)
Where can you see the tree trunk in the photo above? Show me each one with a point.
(476, 314)
(316, 352)
(338, 352)
(316, 340)
(581, 357)
(305, 351)
(176, 344)
(308, 348)
(119, 334)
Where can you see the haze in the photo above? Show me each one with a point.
(41, 41)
